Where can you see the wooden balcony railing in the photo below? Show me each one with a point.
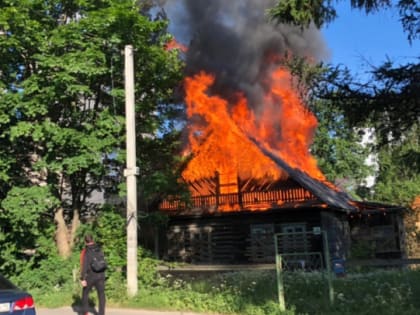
(240, 200)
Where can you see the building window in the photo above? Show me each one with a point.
(293, 238)
(261, 243)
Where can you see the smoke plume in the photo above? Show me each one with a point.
(234, 40)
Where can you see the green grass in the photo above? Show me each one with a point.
(254, 293)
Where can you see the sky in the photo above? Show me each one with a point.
(355, 39)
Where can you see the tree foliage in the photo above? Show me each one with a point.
(303, 13)
(62, 105)
(339, 150)
(399, 170)
(387, 102)
(390, 98)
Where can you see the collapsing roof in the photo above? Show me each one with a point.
(299, 190)
(334, 198)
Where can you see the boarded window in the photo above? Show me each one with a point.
(293, 238)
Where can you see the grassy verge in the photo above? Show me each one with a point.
(254, 293)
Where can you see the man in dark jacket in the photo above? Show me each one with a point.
(90, 278)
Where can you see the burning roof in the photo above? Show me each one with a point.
(253, 149)
(247, 160)
(332, 197)
(219, 130)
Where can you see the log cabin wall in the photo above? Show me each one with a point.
(338, 231)
(234, 221)
(234, 238)
(377, 235)
(401, 235)
(247, 238)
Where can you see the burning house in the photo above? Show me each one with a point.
(247, 184)
(250, 173)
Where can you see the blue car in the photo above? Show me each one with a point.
(14, 301)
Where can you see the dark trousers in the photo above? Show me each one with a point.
(99, 285)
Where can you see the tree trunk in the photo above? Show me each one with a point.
(74, 226)
(61, 234)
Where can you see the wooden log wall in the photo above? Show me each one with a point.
(241, 238)
(377, 236)
(204, 244)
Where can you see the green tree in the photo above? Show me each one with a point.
(390, 99)
(62, 105)
(398, 178)
(388, 102)
(339, 150)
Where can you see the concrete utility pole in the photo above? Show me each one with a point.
(131, 172)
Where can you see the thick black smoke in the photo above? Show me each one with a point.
(233, 39)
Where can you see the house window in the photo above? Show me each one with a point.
(199, 244)
(261, 243)
(258, 230)
(293, 238)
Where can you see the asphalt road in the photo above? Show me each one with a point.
(109, 311)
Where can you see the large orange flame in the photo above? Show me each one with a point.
(219, 131)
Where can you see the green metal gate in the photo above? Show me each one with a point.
(293, 253)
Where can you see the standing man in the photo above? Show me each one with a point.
(92, 274)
